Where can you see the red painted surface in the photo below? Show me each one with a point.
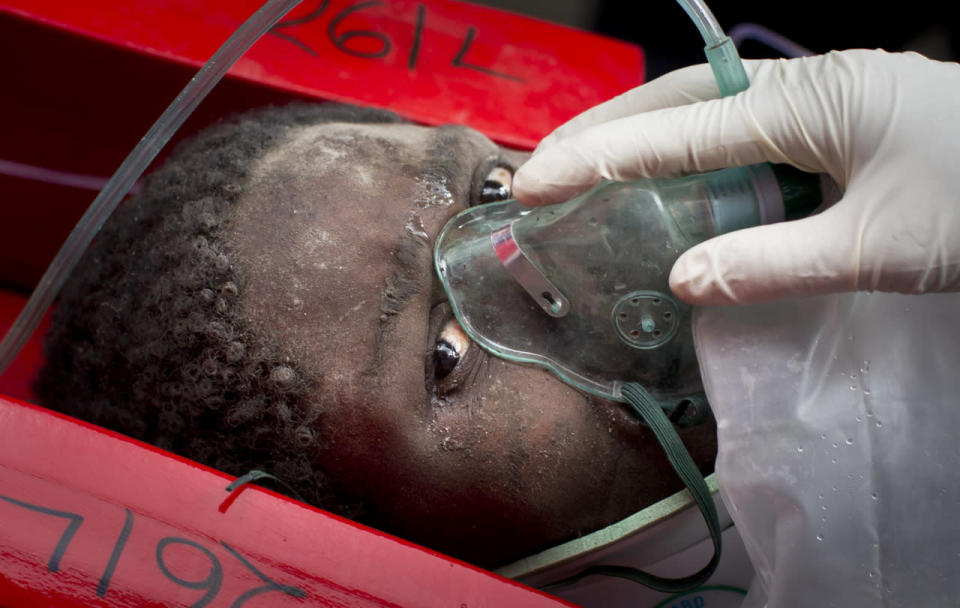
(82, 83)
(17, 379)
(512, 77)
(90, 518)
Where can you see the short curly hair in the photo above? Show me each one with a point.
(148, 339)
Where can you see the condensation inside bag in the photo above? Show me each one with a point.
(838, 421)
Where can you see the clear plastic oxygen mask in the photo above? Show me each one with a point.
(581, 287)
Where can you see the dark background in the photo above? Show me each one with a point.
(670, 40)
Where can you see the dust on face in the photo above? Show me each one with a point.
(486, 460)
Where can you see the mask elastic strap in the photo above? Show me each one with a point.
(651, 412)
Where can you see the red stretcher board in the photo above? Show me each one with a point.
(512, 77)
(83, 81)
(17, 380)
(91, 519)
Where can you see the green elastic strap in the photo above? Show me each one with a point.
(652, 413)
(257, 474)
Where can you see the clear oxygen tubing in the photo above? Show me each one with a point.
(132, 168)
(764, 35)
(719, 48)
(53, 176)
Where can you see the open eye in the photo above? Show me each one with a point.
(497, 185)
(451, 346)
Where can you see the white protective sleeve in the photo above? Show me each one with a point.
(839, 415)
(839, 432)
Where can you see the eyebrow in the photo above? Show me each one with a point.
(445, 155)
(405, 280)
(406, 277)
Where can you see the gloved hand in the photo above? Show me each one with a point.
(885, 127)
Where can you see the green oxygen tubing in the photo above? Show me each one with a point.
(719, 48)
(731, 79)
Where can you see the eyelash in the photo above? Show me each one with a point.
(487, 190)
(492, 181)
(447, 336)
(451, 342)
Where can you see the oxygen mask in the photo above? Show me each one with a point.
(581, 287)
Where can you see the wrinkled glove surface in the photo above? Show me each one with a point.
(885, 127)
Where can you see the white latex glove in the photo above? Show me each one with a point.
(885, 127)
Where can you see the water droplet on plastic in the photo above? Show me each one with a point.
(800, 449)
(820, 537)
(849, 440)
(878, 424)
(866, 367)
(834, 461)
(866, 391)
(835, 444)
(823, 435)
(820, 496)
(823, 507)
(874, 496)
(859, 418)
(870, 573)
(853, 387)
(834, 488)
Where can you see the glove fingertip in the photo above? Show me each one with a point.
(742, 267)
(695, 280)
(527, 188)
(764, 263)
(538, 182)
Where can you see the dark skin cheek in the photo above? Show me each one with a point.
(460, 485)
(540, 437)
(523, 495)
(495, 472)
(490, 474)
